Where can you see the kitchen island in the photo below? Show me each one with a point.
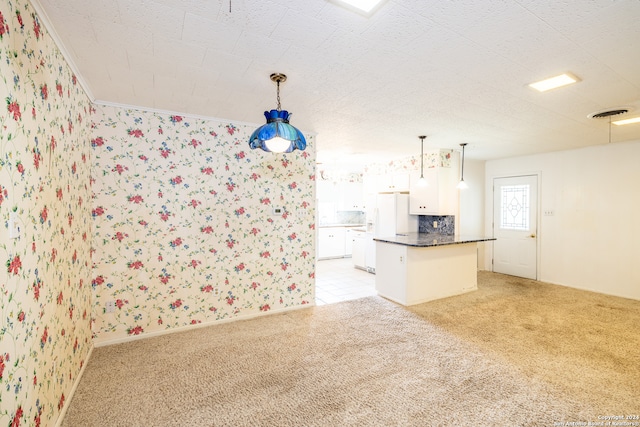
(413, 268)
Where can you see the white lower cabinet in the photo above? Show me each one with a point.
(370, 253)
(358, 250)
(331, 242)
(348, 242)
(412, 275)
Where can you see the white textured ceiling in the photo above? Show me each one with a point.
(454, 70)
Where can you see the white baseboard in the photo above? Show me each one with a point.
(595, 291)
(106, 342)
(99, 343)
(69, 398)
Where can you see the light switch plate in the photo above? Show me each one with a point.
(110, 307)
(14, 228)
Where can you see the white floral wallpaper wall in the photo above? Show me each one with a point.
(339, 176)
(184, 227)
(177, 230)
(45, 274)
(432, 159)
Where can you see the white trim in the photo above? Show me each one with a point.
(69, 398)
(107, 342)
(538, 176)
(598, 292)
(178, 113)
(44, 18)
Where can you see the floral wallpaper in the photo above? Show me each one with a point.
(339, 176)
(173, 221)
(184, 225)
(45, 274)
(432, 159)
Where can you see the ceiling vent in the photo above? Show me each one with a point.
(608, 113)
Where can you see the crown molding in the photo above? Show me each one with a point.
(44, 19)
(99, 102)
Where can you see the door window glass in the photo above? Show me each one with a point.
(514, 207)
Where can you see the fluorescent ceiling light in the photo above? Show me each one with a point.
(627, 121)
(362, 6)
(554, 82)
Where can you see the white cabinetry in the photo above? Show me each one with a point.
(358, 243)
(346, 196)
(324, 191)
(351, 196)
(348, 242)
(331, 242)
(412, 275)
(438, 197)
(393, 182)
(370, 253)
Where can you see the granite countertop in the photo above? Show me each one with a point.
(423, 240)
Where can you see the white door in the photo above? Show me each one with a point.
(515, 208)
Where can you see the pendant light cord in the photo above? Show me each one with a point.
(422, 137)
(462, 171)
(462, 174)
(422, 159)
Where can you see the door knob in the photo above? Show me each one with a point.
(533, 236)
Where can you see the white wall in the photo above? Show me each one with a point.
(472, 205)
(592, 241)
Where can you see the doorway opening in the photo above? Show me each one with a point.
(338, 280)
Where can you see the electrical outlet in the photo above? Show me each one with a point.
(110, 307)
(435, 224)
(549, 212)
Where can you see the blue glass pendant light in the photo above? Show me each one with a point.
(277, 135)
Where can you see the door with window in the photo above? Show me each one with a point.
(515, 219)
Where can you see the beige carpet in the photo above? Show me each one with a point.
(513, 353)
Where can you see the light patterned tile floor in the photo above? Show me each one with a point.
(338, 280)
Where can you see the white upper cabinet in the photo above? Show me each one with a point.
(438, 197)
(324, 191)
(345, 196)
(393, 182)
(351, 196)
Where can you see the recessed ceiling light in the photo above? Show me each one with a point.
(627, 121)
(554, 82)
(366, 7)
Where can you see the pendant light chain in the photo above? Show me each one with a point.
(278, 78)
(278, 96)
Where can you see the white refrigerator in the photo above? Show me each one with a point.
(390, 217)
